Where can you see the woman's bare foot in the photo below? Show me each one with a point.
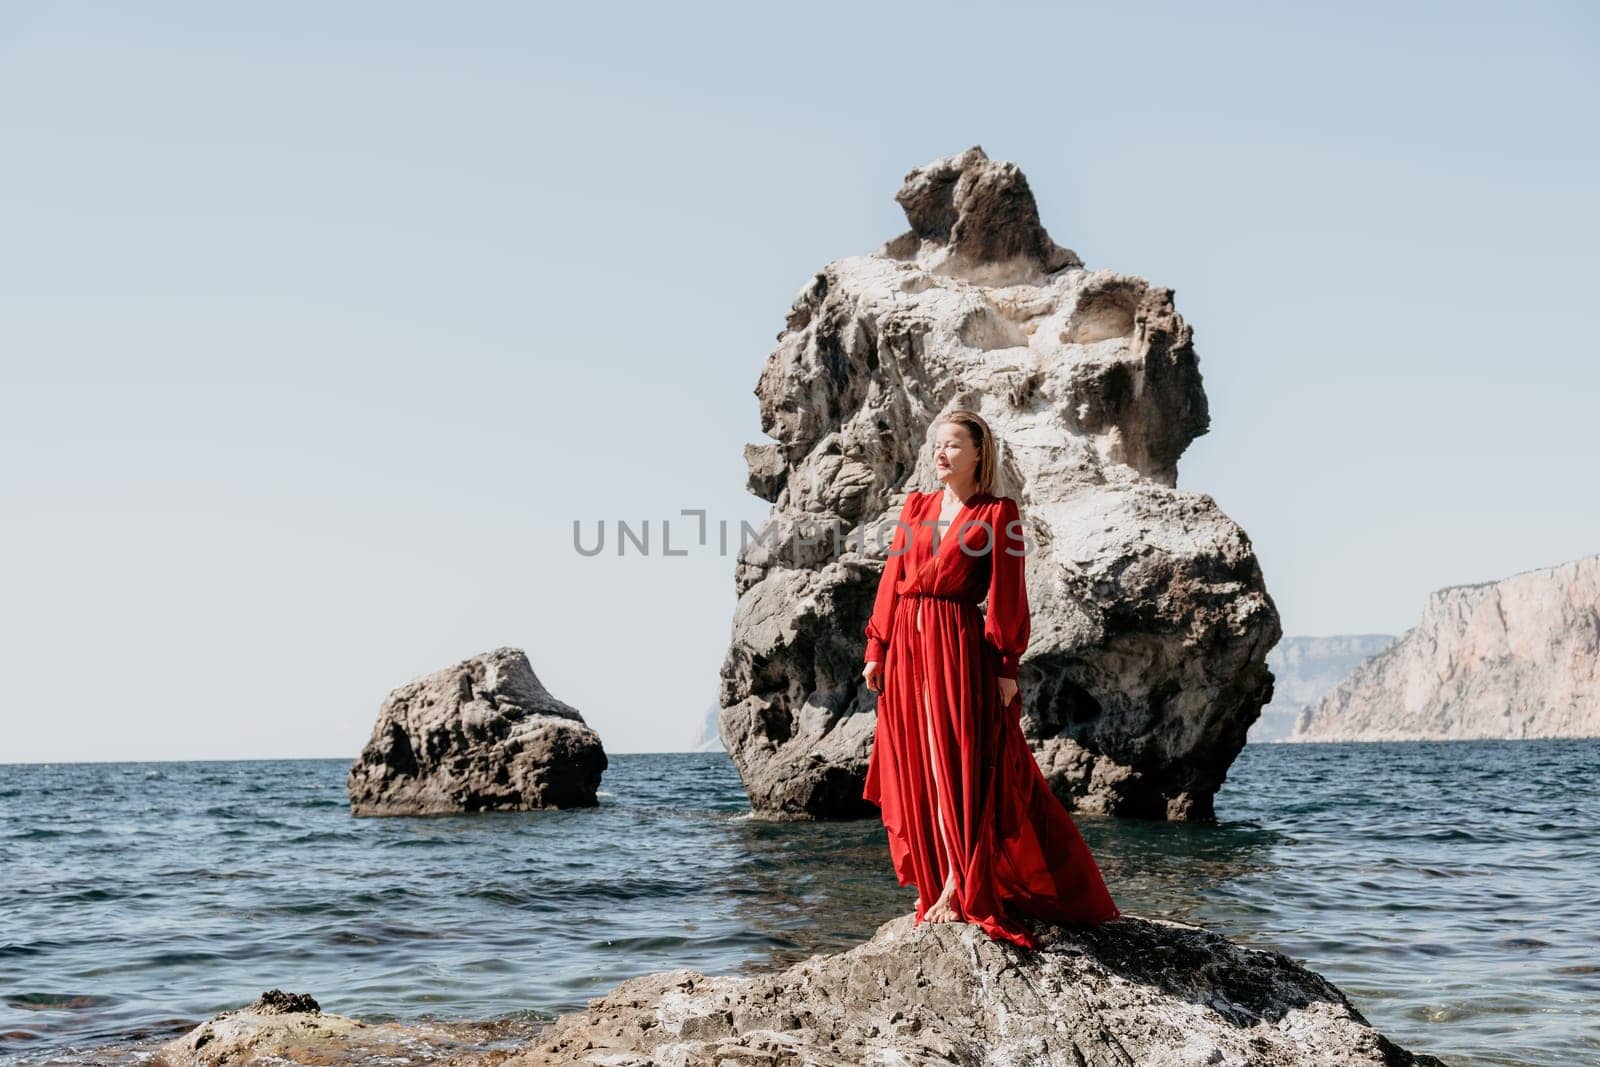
(940, 911)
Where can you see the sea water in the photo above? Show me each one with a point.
(1449, 889)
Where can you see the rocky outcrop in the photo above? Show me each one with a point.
(484, 734)
(1131, 991)
(282, 1028)
(1516, 658)
(1304, 669)
(1151, 620)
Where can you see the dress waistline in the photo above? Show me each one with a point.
(915, 595)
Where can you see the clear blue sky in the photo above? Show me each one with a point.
(319, 324)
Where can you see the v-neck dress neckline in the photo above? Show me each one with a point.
(935, 538)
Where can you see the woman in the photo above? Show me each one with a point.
(965, 804)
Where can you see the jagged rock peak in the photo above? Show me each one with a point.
(975, 218)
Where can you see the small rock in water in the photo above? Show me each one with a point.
(482, 735)
(276, 1000)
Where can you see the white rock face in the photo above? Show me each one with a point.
(1515, 658)
(1151, 621)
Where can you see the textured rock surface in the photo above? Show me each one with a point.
(284, 1028)
(483, 734)
(1151, 621)
(1132, 991)
(1509, 659)
(1304, 670)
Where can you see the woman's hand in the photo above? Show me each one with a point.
(1008, 690)
(873, 676)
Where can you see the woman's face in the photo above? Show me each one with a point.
(955, 457)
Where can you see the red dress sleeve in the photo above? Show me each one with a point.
(881, 622)
(1006, 623)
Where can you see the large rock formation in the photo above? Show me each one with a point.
(1515, 658)
(1151, 622)
(1304, 670)
(483, 734)
(1132, 991)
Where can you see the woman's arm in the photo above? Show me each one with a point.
(1006, 623)
(881, 622)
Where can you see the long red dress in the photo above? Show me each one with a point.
(950, 769)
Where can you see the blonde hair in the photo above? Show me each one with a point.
(988, 475)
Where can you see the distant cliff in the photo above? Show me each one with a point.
(1303, 670)
(708, 739)
(1516, 658)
